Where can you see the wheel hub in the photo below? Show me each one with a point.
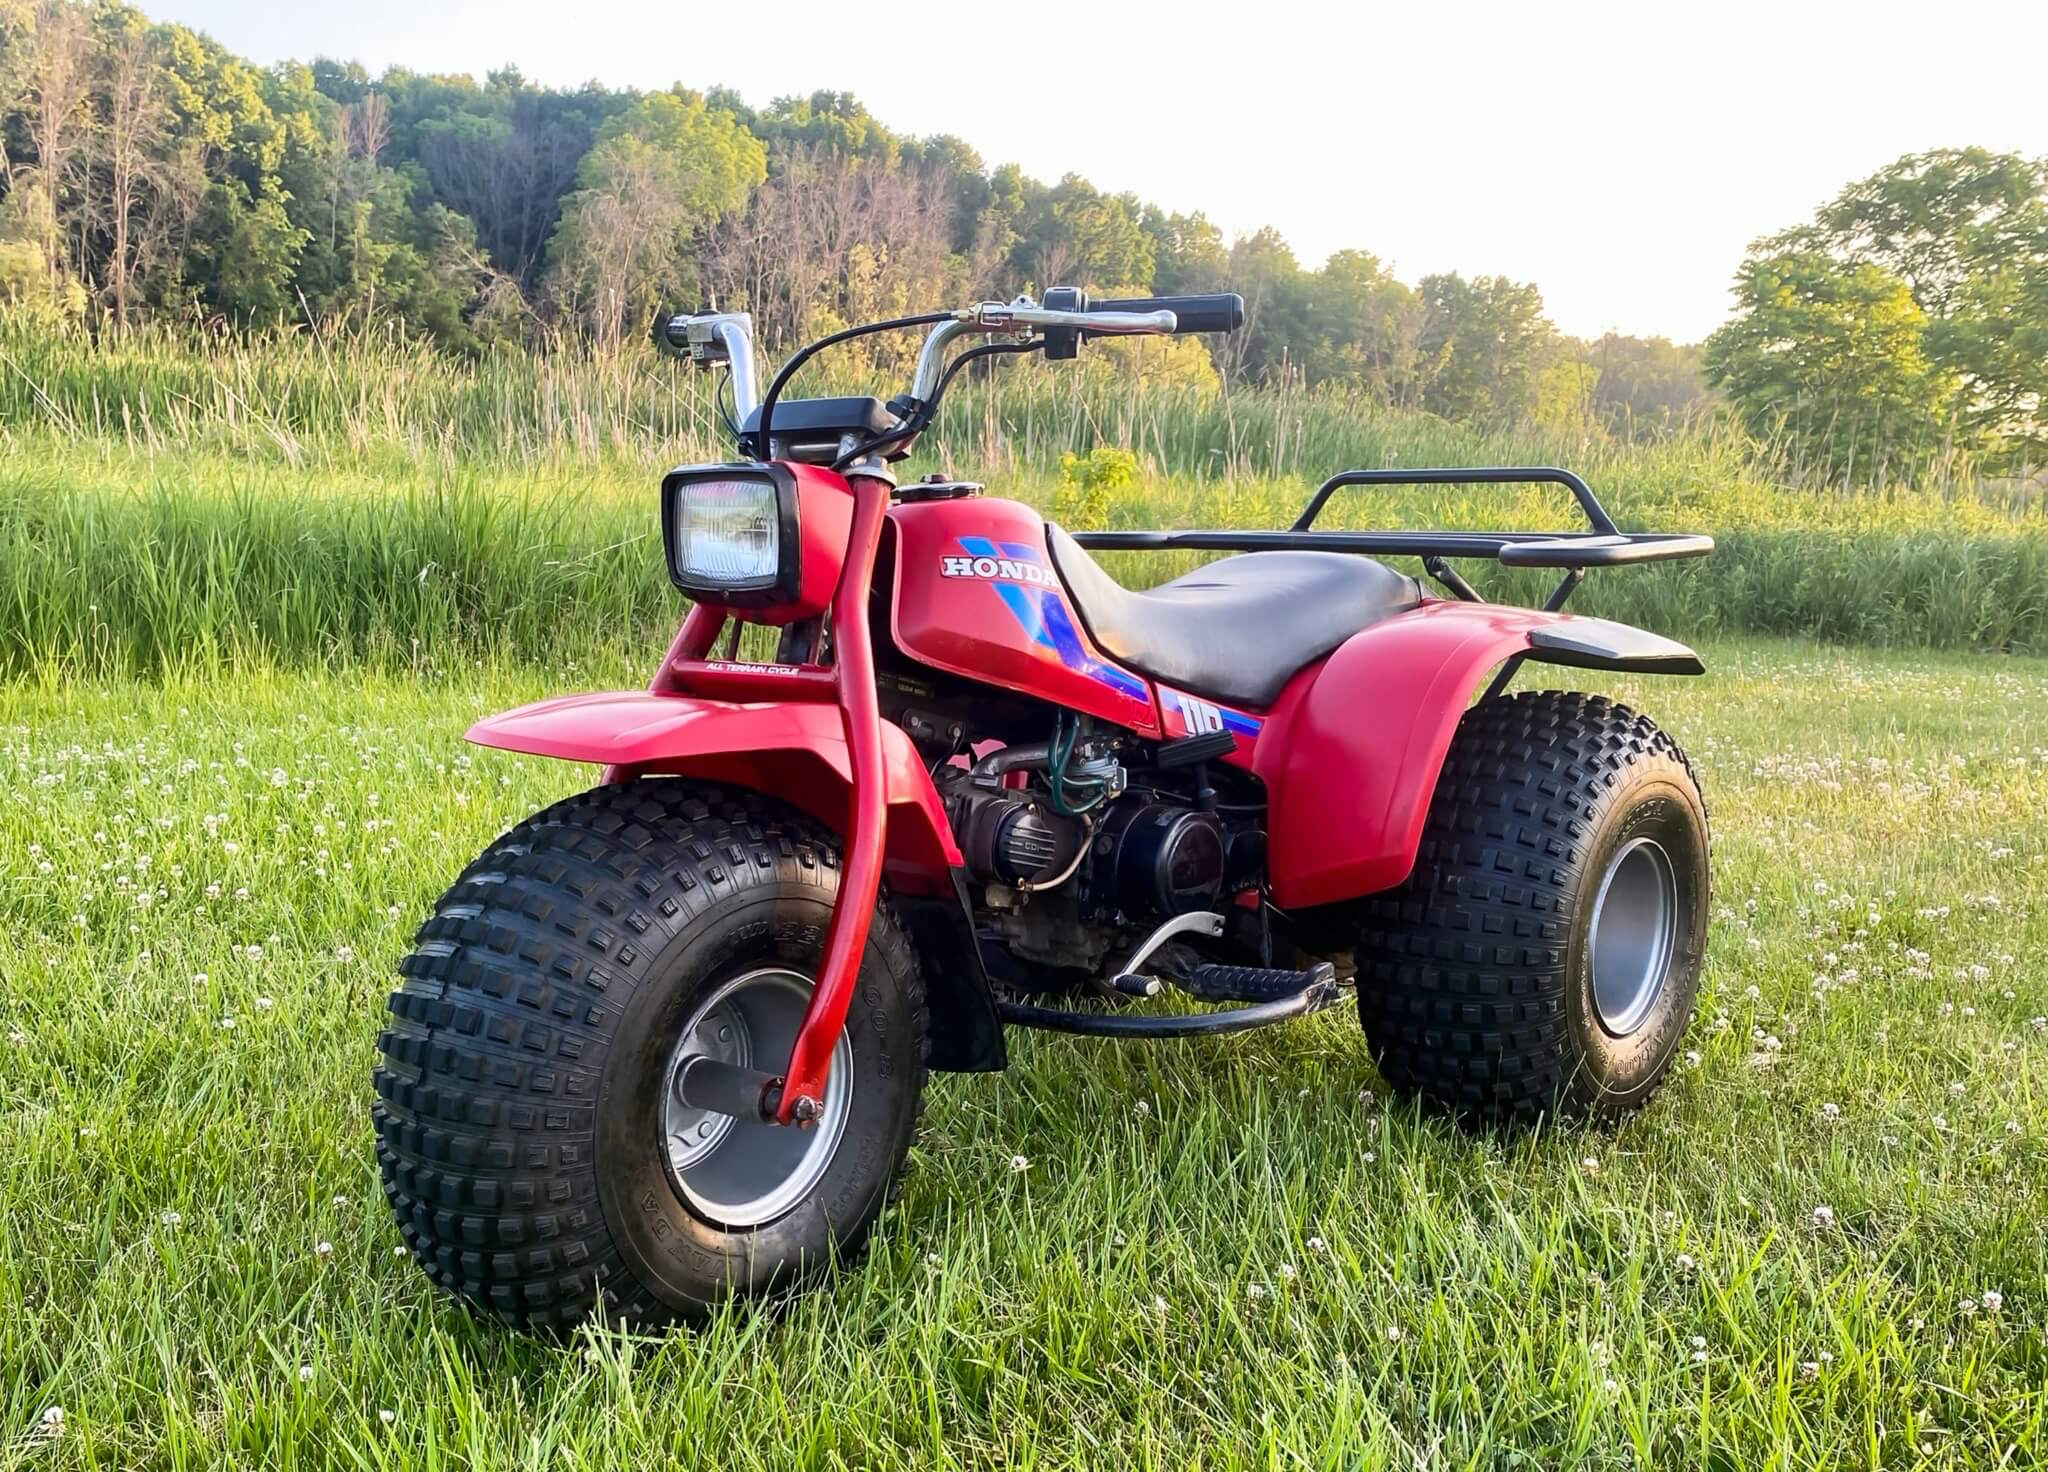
(1632, 934)
(746, 1172)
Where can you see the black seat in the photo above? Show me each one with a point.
(1234, 630)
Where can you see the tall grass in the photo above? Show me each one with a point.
(169, 503)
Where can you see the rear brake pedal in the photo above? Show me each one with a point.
(1214, 983)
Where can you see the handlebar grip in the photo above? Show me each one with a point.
(1221, 311)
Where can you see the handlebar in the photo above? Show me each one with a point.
(1221, 311)
(1106, 320)
(708, 338)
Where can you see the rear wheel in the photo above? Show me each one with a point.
(535, 1150)
(1545, 954)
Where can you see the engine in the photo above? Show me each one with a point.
(1134, 858)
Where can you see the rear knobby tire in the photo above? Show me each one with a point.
(1476, 985)
(519, 1098)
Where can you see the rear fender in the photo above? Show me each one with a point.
(1352, 750)
(794, 750)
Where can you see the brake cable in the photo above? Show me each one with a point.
(809, 351)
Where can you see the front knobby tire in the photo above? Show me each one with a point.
(1544, 956)
(524, 1130)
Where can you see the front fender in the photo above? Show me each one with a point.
(794, 750)
(1351, 754)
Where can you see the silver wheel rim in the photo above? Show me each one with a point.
(1633, 932)
(744, 1172)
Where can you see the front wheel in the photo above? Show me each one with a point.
(1545, 954)
(533, 1144)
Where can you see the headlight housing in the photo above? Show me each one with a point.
(731, 533)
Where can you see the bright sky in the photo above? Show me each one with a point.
(1618, 155)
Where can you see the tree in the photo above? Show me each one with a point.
(55, 114)
(1075, 235)
(662, 171)
(1643, 382)
(138, 189)
(1277, 310)
(1188, 254)
(1965, 230)
(1367, 331)
(1484, 346)
(1828, 356)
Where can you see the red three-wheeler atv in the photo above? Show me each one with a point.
(665, 1041)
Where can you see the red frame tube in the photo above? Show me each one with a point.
(860, 869)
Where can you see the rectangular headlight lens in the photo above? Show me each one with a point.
(727, 532)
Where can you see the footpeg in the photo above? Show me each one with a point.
(1252, 983)
(1130, 984)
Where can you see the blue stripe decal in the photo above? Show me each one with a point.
(1067, 642)
(1027, 612)
(1042, 614)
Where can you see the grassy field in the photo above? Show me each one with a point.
(1821, 1247)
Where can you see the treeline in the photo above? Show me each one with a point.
(147, 172)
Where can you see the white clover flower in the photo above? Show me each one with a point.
(1823, 1217)
(1019, 1162)
(1993, 1300)
(305, 1374)
(1830, 1111)
(323, 1250)
(387, 1417)
(344, 954)
(1692, 1057)
(1370, 1157)
(399, 1250)
(1142, 1108)
(1255, 1291)
(1285, 1272)
(1809, 1370)
(53, 1420)
(933, 1262)
(264, 1004)
(1591, 1165)
(1393, 1333)
(170, 1219)
(1318, 1245)
(1685, 1262)
(340, 1203)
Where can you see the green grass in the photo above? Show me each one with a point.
(1148, 1292)
(114, 563)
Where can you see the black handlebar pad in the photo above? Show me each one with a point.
(1221, 311)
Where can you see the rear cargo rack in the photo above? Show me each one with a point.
(1602, 545)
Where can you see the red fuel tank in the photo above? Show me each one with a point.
(976, 594)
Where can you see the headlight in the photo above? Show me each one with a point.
(731, 531)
